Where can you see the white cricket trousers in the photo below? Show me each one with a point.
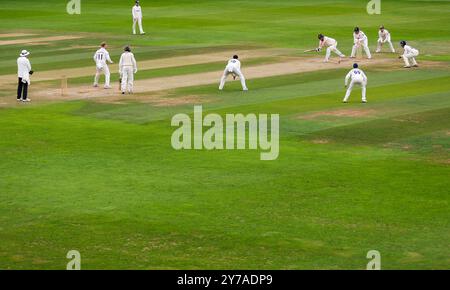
(381, 42)
(237, 72)
(350, 88)
(139, 22)
(105, 70)
(334, 49)
(410, 58)
(365, 45)
(127, 79)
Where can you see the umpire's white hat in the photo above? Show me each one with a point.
(25, 53)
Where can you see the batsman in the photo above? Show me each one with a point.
(330, 44)
(127, 69)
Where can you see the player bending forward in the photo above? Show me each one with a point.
(360, 39)
(356, 76)
(383, 37)
(127, 69)
(233, 67)
(137, 17)
(101, 57)
(330, 44)
(409, 55)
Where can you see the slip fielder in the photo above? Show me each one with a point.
(330, 44)
(127, 69)
(137, 17)
(101, 57)
(356, 76)
(233, 67)
(360, 39)
(383, 37)
(409, 55)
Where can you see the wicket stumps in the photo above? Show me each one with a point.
(63, 85)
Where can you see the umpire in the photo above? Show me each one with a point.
(23, 71)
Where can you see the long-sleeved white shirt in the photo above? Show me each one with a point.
(409, 50)
(136, 11)
(384, 35)
(360, 37)
(357, 75)
(327, 42)
(127, 59)
(101, 56)
(23, 67)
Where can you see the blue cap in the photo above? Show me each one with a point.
(355, 65)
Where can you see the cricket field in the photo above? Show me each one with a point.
(91, 170)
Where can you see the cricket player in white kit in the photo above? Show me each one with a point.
(233, 67)
(384, 37)
(101, 57)
(127, 69)
(409, 55)
(356, 76)
(330, 44)
(360, 39)
(137, 17)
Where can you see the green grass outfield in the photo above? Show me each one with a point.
(103, 179)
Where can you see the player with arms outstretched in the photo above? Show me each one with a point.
(330, 44)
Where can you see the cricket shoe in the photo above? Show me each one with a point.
(107, 87)
(26, 100)
(407, 66)
(95, 85)
(364, 102)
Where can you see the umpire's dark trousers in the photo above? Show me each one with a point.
(22, 90)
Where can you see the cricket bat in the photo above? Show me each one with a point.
(310, 50)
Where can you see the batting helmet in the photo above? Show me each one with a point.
(356, 29)
(355, 65)
(127, 48)
(381, 27)
(402, 43)
(320, 36)
(235, 56)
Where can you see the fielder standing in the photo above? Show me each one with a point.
(409, 55)
(137, 17)
(330, 44)
(233, 67)
(383, 37)
(360, 39)
(23, 71)
(101, 57)
(127, 69)
(356, 76)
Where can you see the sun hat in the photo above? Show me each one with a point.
(25, 53)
